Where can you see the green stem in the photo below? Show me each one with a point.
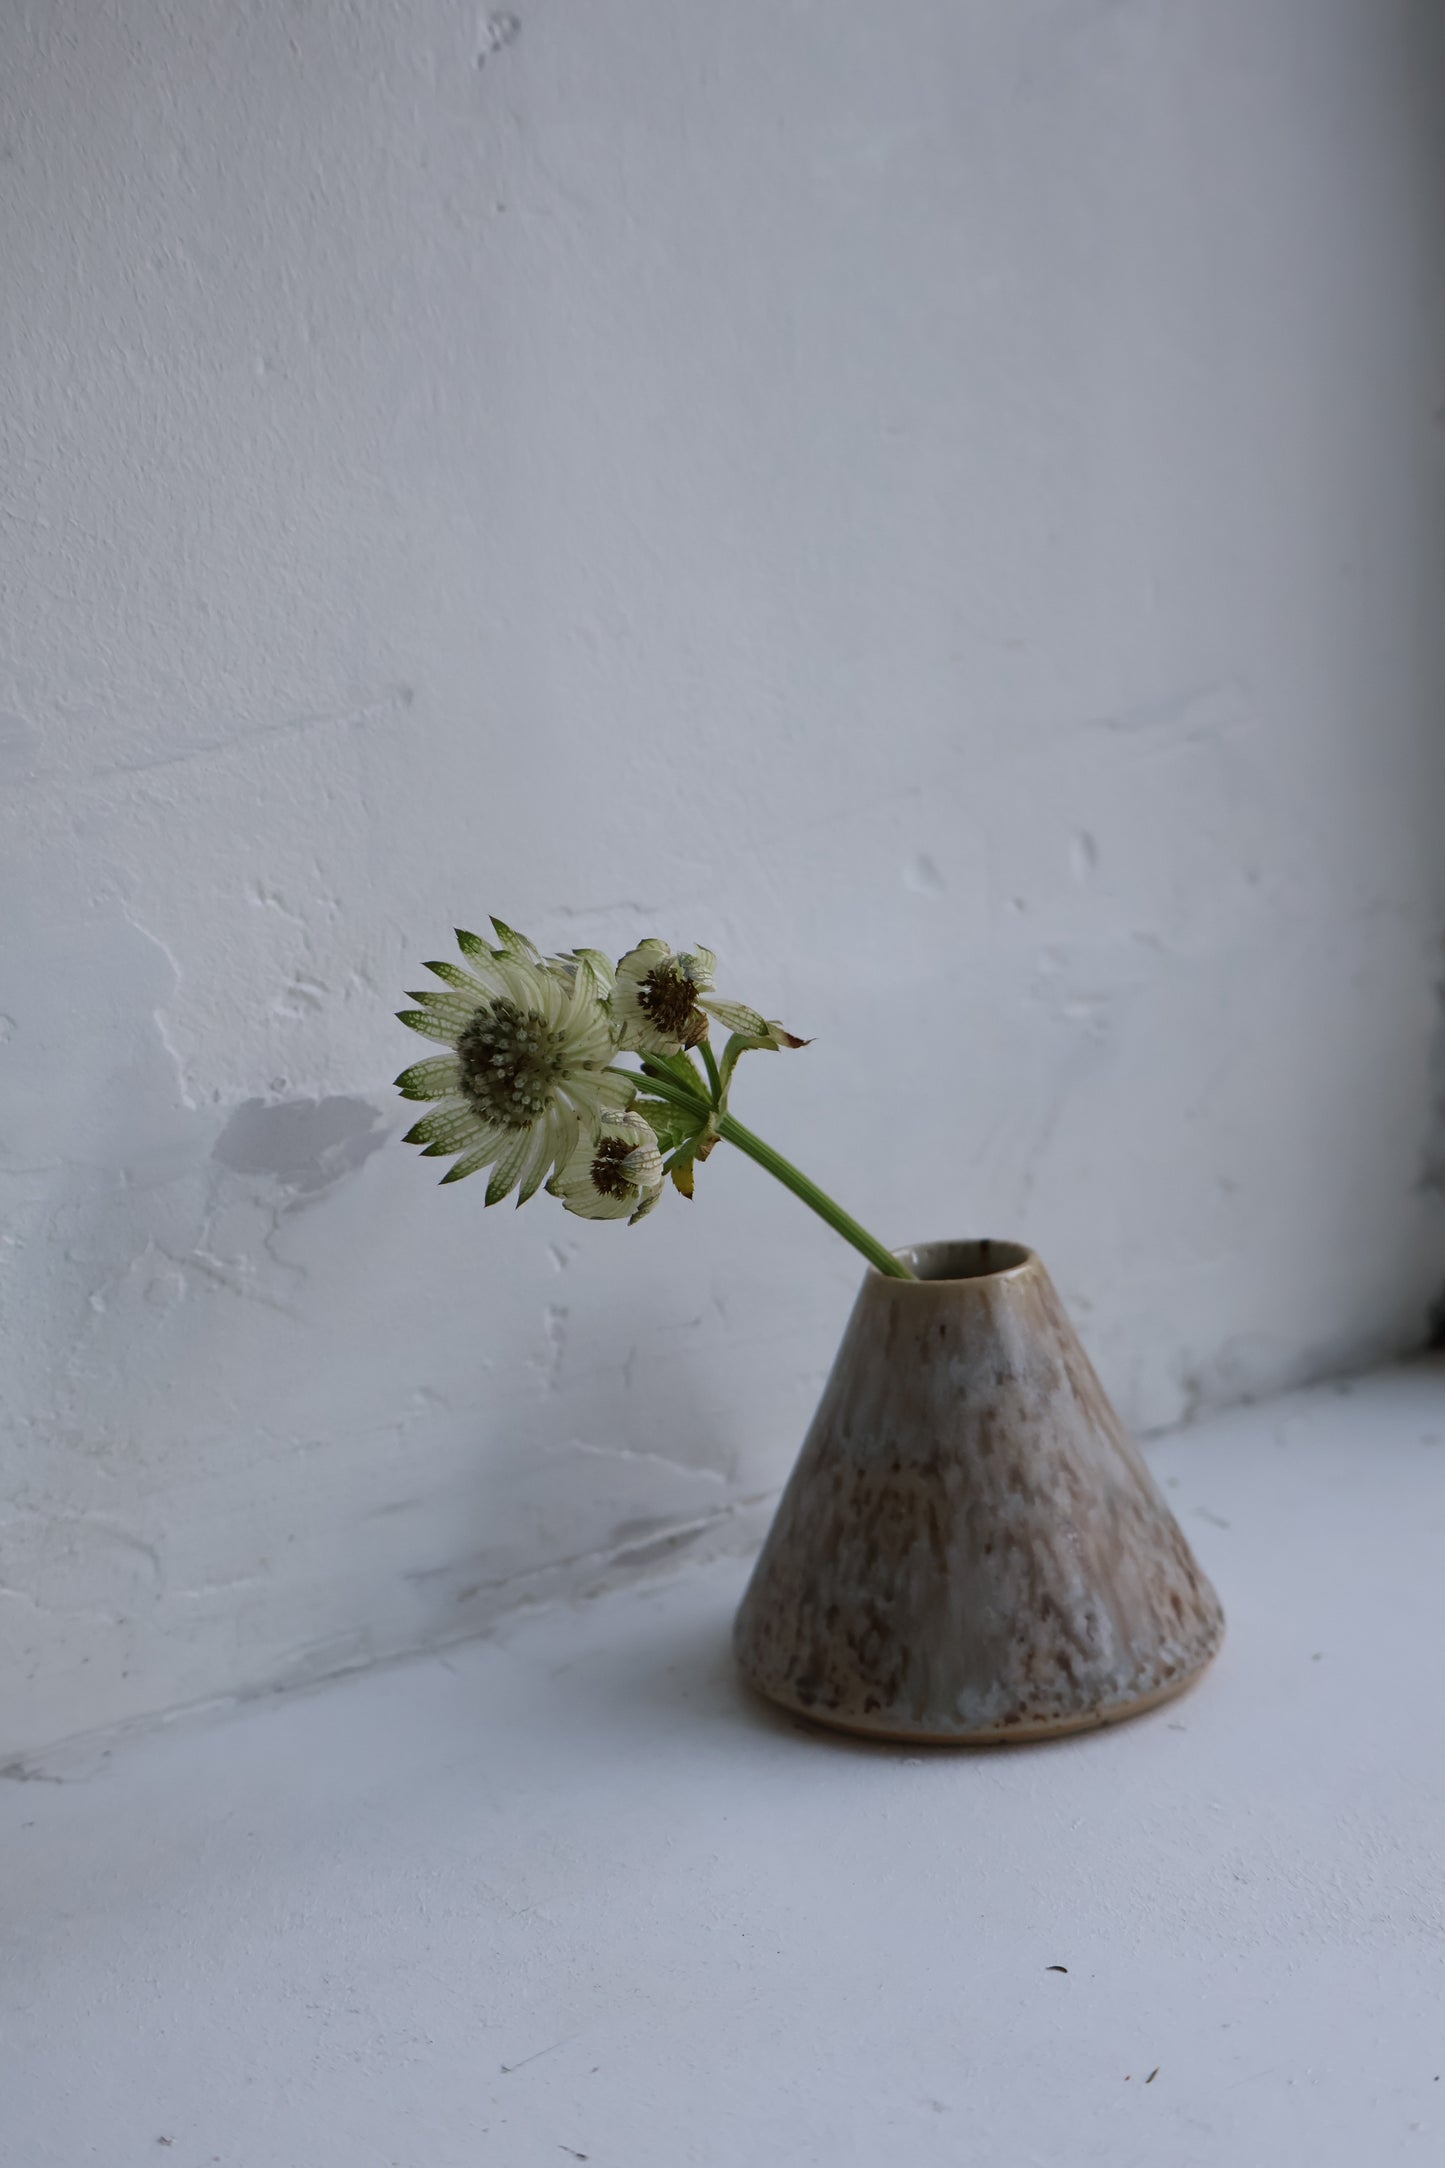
(665, 1087)
(712, 1073)
(840, 1221)
(666, 1084)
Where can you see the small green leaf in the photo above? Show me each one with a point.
(670, 1125)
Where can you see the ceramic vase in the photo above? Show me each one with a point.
(971, 1550)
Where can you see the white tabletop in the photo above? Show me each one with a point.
(568, 1894)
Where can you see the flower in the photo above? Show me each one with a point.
(572, 963)
(528, 1071)
(616, 1173)
(661, 1000)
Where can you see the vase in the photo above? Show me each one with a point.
(970, 1550)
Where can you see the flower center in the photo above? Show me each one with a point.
(608, 1178)
(510, 1061)
(666, 998)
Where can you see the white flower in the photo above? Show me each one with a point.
(662, 1000)
(572, 962)
(615, 1174)
(528, 1071)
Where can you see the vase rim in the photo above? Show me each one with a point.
(958, 1262)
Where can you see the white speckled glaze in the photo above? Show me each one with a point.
(971, 1550)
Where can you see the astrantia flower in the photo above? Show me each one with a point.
(527, 1074)
(661, 1001)
(528, 1085)
(615, 1174)
(584, 961)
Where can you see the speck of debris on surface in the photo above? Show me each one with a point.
(1152, 2075)
(1056, 1968)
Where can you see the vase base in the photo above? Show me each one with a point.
(1026, 1732)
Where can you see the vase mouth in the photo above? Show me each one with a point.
(983, 1259)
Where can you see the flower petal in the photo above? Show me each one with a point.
(781, 1037)
(649, 1199)
(461, 1008)
(538, 1160)
(430, 1027)
(736, 1016)
(432, 1079)
(699, 964)
(647, 955)
(509, 1166)
(472, 1164)
(517, 944)
(454, 1126)
(455, 976)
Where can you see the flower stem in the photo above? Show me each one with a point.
(712, 1073)
(665, 1086)
(840, 1221)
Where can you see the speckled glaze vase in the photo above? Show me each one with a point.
(971, 1550)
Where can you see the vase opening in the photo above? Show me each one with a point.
(982, 1260)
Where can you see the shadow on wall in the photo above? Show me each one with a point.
(308, 1144)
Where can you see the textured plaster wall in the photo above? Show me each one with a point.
(940, 502)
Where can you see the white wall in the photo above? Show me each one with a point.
(938, 501)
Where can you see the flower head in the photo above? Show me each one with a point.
(527, 1073)
(615, 1174)
(662, 1000)
(655, 1002)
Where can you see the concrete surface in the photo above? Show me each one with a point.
(939, 501)
(567, 1894)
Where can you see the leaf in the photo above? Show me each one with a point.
(772, 1037)
(681, 1172)
(670, 1125)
